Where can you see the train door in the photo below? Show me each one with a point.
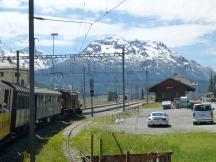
(5, 110)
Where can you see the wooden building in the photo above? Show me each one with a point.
(171, 88)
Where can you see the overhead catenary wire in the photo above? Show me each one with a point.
(61, 20)
(59, 56)
(83, 19)
(109, 11)
(100, 18)
(83, 22)
(10, 30)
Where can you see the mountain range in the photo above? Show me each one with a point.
(140, 56)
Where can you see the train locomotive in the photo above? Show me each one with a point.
(14, 107)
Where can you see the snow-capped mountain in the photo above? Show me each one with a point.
(154, 55)
(39, 64)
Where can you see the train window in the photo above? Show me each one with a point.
(22, 102)
(27, 102)
(58, 99)
(44, 100)
(73, 101)
(54, 99)
(50, 100)
(41, 100)
(1, 74)
(2, 93)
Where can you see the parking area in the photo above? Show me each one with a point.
(181, 120)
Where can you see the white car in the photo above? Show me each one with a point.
(158, 118)
(166, 104)
(203, 112)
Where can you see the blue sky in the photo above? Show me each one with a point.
(188, 27)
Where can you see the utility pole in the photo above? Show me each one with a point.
(84, 84)
(31, 88)
(116, 89)
(91, 84)
(147, 83)
(123, 77)
(17, 72)
(53, 35)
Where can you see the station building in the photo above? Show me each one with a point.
(171, 88)
(8, 72)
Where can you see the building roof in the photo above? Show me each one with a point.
(16, 87)
(5, 64)
(46, 91)
(182, 80)
(177, 79)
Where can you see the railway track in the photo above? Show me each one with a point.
(108, 107)
(71, 154)
(13, 152)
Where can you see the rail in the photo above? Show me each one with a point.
(112, 108)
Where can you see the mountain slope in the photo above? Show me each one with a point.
(154, 55)
(39, 64)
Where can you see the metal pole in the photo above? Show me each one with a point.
(116, 89)
(91, 83)
(53, 35)
(128, 156)
(31, 79)
(92, 111)
(92, 148)
(53, 55)
(123, 77)
(100, 150)
(147, 83)
(17, 73)
(84, 88)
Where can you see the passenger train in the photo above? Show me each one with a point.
(14, 106)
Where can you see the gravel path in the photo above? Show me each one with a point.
(70, 132)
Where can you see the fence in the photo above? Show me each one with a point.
(147, 157)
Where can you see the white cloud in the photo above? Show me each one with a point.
(186, 10)
(175, 35)
(14, 4)
(15, 24)
(172, 35)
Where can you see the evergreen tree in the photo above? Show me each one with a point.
(210, 89)
(214, 84)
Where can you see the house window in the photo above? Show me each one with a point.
(16, 74)
(1, 74)
(22, 83)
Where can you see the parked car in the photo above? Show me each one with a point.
(158, 119)
(177, 103)
(184, 101)
(193, 102)
(166, 104)
(203, 113)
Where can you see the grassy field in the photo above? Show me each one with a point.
(49, 148)
(187, 147)
(153, 105)
(51, 151)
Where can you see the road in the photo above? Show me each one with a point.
(180, 121)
